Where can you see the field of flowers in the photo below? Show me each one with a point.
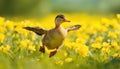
(95, 45)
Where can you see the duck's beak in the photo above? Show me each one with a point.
(67, 20)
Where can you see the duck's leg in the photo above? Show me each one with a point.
(42, 49)
(53, 52)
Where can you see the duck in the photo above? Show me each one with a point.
(54, 37)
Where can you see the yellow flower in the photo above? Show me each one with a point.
(2, 20)
(115, 45)
(2, 29)
(106, 48)
(31, 48)
(24, 32)
(83, 50)
(2, 37)
(105, 45)
(105, 51)
(99, 39)
(68, 45)
(115, 55)
(63, 52)
(15, 35)
(60, 62)
(112, 34)
(118, 16)
(21, 30)
(103, 29)
(68, 60)
(6, 49)
(25, 43)
(10, 25)
(106, 21)
(80, 40)
(1, 48)
(96, 45)
(115, 23)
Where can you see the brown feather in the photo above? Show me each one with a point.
(75, 27)
(37, 30)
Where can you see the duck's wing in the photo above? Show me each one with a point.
(36, 30)
(75, 27)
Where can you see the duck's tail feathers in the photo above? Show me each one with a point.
(75, 27)
(37, 30)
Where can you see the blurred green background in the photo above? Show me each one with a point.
(43, 7)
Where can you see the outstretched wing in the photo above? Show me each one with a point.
(36, 30)
(75, 27)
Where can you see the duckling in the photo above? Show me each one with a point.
(53, 38)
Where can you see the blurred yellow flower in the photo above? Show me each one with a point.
(6, 49)
(96, 45)
(24, 33)
(2, 29)
(2, 19)
(118, 16)
(31, 48)
(106, 48)
(23, 45)
(115, 45)
(105, 51)
(112, 34)
(80, 40)
(60, 62)
(103, 29)
(83, 50)
(68, 60)
(105, 45)
(2, 37)
(99, 39)
(10, 25)
(69, 45)
(115, 22)
(116, 55)
(105, 21)
(1, 48)
(26, 43)
(63, 52)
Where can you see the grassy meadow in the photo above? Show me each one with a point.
(96, 45)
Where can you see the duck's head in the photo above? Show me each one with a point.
(60, 19)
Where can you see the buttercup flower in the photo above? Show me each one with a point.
(6, 49)
(31, 48)
(68, 60)
(83, 50)
(96, 45)
(2, 37)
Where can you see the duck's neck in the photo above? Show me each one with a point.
(57, 25)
